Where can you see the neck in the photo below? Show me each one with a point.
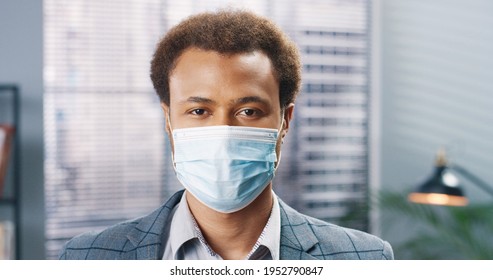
(233, 235)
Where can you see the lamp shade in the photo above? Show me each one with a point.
(441, 188)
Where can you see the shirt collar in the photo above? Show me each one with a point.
(271, 234)
(184, 228)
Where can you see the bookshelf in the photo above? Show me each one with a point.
(10, 193)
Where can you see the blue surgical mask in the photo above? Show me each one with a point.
(225, 167)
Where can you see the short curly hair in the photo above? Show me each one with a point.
(229, 32)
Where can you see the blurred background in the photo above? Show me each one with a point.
(386, 84)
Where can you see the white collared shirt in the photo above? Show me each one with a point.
(186, 242)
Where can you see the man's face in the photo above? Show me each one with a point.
(208, 89)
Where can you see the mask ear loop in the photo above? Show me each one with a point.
(173, 141)
(282, 141)
(169, 124)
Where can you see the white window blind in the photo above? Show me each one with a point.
(104, 131)
(107, 158)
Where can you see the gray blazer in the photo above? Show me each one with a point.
(302, 238)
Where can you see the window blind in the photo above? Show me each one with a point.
(105, 149)
(107, 158)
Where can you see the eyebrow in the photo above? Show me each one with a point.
(251, 99)
(242, 100)
(198, 99)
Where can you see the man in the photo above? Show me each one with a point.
(227, 82)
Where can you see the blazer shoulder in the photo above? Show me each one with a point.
(112, 239)
(140, 238)
(345, 242)
(302, 234)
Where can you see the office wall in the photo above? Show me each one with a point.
(436, 91)
(21, 58)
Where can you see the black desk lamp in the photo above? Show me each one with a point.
(442, 187)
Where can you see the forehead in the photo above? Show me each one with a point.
(195, 58)
(198, 70)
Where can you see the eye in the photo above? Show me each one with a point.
(198, 112)
(250, 112)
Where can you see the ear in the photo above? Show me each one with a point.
(288, 116)
(166, 116)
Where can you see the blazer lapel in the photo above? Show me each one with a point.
(297, 238)
(146, 238)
